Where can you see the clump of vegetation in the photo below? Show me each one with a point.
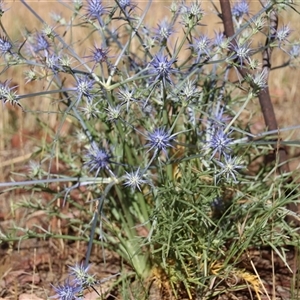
(160, 151)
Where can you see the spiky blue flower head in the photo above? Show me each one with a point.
(220, 41)
(126, 95)
(84, 87)
(159, 140)
(295, 51)
(124, 3)
(127, 4)
(229, 167)
(81, 275)
(164, 30)
(41, 43)
(99, 54)
(67, 291)
(95, 9)
(282, 33)
(242, 53)
(53, 62)
(162, 68)
(97, 159)
(188, 93)
(113, 112)
(5, 45)
(202, 45)
(219, 38)
(259, 80)
(7, 94)
(219, 142)
(135, 179)
(90, 110)
(240, 8)
(192, 14)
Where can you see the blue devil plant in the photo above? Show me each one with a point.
(158, 132)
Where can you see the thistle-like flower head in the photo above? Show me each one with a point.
(41, 43)
(202, 45)
(295, 51)
(67, 291)
(162, 68)
(7, 94)
(5, 45)
(283, 32)
(90, 110)
(259, 80)
(53, 62)
(135, 179)
(229, 167)
(81, 275)
(159, 140)
(113, 113)
(84, 87)
(127, 4)
(242, 53)
(164, 30)
(95, 9)
(99, 55)
(219, 142)
(97, 159)
(126, 95)
(220, 40)
(240, 8)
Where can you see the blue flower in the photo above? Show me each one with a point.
(135, 179)
(164, 30)
(162, 68)
(5, 45)
(126, 95)
(159, 140)
(295, 51)
(95, 9)
(240, 9)
(242, 53)
(81, 275)
(7, 94)
(229, 167)
(127, 4)
(202, 45)
(67, 291)
(219, 142)
(220, 40)
(84, 87)
(282, 34)
(41, 43)
(53, 62)
(99, 55)
(97, 159)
